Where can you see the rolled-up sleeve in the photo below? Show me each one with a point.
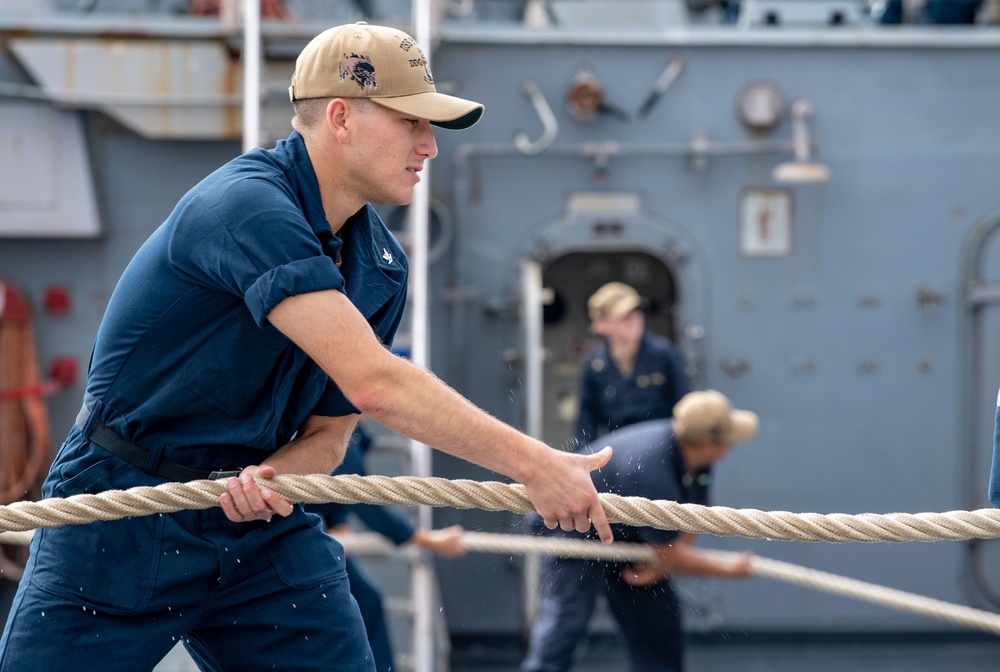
(302, 276)
(269, 251)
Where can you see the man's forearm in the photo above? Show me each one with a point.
(680, 557)
(395, 392)
(415, 403)
(318, 448)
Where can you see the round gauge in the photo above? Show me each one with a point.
(760, 107)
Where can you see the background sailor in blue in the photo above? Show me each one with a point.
(393, 526)
(633, 375)
(657, 459)
(244, 337)
(994, 486)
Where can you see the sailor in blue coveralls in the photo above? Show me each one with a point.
(393, 526)
(240, 342)
(656, 459)
(633, 375)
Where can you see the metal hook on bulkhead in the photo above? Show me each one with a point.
(549, 124)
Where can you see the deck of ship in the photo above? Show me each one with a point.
(962, 654)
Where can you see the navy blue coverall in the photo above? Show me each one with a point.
(190, 377)
(378, 519)
(646, 463)
(994, 487)
(609, 400)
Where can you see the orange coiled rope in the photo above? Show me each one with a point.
(25, 435)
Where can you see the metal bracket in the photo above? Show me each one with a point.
(549, 124)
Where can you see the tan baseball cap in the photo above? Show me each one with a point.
(707, 416)
(613, 301)
(380, 63)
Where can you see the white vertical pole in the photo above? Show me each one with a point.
(534, 360)
(419, 212)
(423, 573)
(251, 74)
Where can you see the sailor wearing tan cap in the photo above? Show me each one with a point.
(633, 375)
(250, 329)
(658, 459)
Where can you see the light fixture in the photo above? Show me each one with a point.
(801, 170)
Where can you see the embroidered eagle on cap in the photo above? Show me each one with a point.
(358, 69)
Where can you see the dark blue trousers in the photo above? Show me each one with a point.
(117, 596)
(369, 599)
(649, 617)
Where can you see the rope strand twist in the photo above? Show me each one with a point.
(486, 542)
(495, 496)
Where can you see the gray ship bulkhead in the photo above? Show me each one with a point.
(854, 315)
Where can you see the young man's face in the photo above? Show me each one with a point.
(389, 151)
(704, 455)
(629, 327)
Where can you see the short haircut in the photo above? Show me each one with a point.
(309, 111)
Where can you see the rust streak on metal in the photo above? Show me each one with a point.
(232, 78)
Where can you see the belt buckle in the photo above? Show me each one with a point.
(216, 475)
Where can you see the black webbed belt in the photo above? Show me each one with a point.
(139, 456)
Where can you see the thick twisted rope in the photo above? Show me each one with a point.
(874, 593)
(371, 543)
(773, 569)
(493, 496)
